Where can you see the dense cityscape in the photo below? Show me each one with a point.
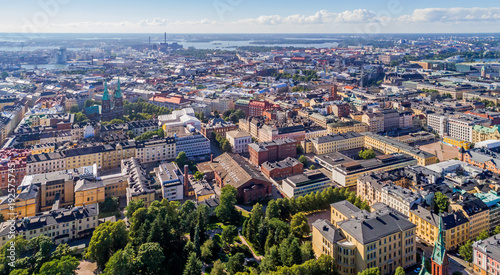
(248, 154)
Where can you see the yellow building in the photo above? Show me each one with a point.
(346, 127)
(113, 154)
(43, 148)
(334, 143)
(89, 192)
(455, 227)
(80, 157)
(26, 205)
(389, 146)
(456, 142)
(478, 215)
(359, 240)
(483, 133)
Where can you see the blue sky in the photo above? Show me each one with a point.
(251, 16)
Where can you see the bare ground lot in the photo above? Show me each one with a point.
(443, 151)
(86, 268)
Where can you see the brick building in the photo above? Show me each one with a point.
(275, 150)
(234, 170)
(282, 169)
(15, 160)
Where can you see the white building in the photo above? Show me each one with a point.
(178, 120)
(156, 150)
(303, 184)
(194, 145)
(171, 179)
(239, 141)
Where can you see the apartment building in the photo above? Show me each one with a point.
(138, 182)
(335, 143)
(217, 126)
(156, 150)
(61, 225)
(172, 181)
(239, 141)
(359, 240)
(375, 122)
(346, 126)
(486, 256)
(455, 227)
(482, 133)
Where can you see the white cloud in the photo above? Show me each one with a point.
(442, 20)
(453, 15)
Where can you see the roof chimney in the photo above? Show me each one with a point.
(186, 180)
(211, 157)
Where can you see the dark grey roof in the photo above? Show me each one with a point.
(328, 231)
(369, 227)
(345, 208)
(449, 220)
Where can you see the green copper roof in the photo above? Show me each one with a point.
(485, 129)
(105, 95)
(439, 252)
(423, 271)
(118, 92)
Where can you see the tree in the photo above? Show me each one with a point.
(497, 230)
(466, 251)
(122, 262)
(483, 235)
(207, 251)
(400, 271)
(67, 265)
(300, 150)
(61, 251)
(218, 268)
(441, 203)
(150, 258)
(300, 225)
(235, 263)
(107, 239)
(272, 210)
(228, 234)
(307, 251)
(133, 206)
(109, 205)
(226, 211)
(4, 75)
(312, 167)
(193, 266)
(80, 117)
(181, 160)
(198, 175)
(367, 154)
(74, 109)
(370, 271)
(161, 133)
(303, 159)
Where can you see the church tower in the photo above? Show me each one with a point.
(440, 262)
(118, 102)
(106, 104)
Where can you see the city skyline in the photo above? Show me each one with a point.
(238, 16)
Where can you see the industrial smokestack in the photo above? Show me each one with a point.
(186, 180)
(211, 157)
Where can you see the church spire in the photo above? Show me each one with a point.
(105, 95)
(118, 92)
(439, 257)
